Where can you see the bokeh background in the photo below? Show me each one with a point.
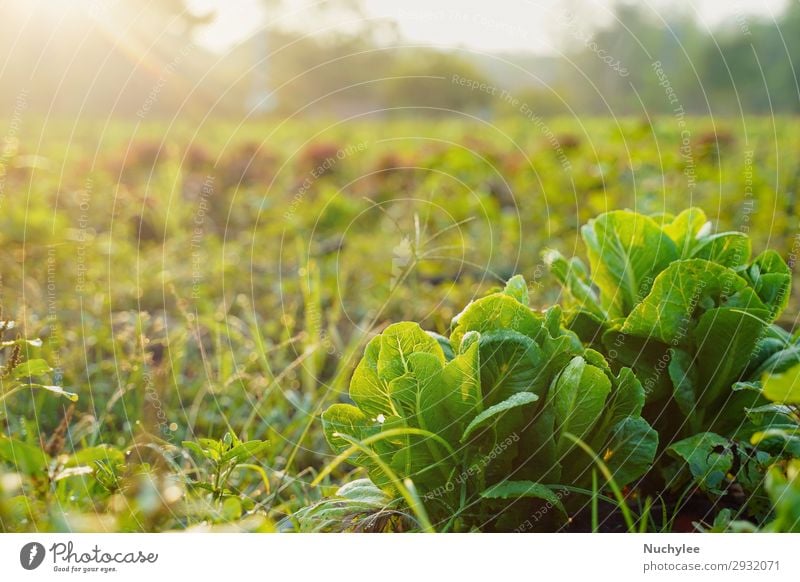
(207, 208)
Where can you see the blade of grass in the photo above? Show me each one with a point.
(620, 499)
(595, 524)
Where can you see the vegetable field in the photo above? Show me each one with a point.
(394, 325)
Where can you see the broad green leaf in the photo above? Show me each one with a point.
(352, 508)
(367, 390)
(397, 343)
(647, 358)
(780, 441)
(784, 491)
(725, 339)
(470, 338)
(496, 312)
(746, 386)
(519, 399)
(452, 396)
(753, 465)
(684, 230)
(626, 251)
(558, 351)
(32, 368)
(518, 289)
(729, 249)
(779, 362)
(769, 416)
(631, 450)
(709, 457)
(539, 460)
(683, 374)
(406, 390)
(510, 363)
(25, 458)
(628, 398)
(684, 381)
(578, 397)
(424, 461)
(210, 444)
(771, 277)
(363, 491)
(596, 359)
(784, 388)
(204, 448)
(349, 420)
(774, 341)
(681, 290)
(461, 378)
(552, 320)
(523, 489)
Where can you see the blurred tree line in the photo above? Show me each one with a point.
(132, 59)
(747, 65)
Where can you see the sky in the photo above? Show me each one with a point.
(496, 26)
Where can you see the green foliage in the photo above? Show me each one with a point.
(777, 423)
(783, 388)
(18, 373)
(173, 331)
(223, 457)
(357, 506)
(494, 424)
(783, 487)
(770, 436)
(711, 460)
(691, 313)
(684, 307)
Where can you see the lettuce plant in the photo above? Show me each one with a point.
(476, 430)
(692, 313)
(684, 307)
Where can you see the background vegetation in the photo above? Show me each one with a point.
(189, 277)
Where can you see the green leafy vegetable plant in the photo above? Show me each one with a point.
(686, 308)
(692, 313)
(476, 430)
